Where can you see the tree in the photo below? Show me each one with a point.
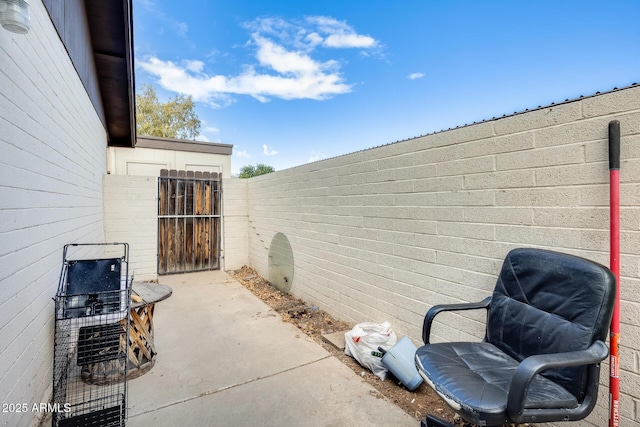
(175, 118)
(259, 169)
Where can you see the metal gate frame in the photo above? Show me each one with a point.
(189, 221)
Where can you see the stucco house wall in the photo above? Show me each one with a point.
(384, 234)
(53, 156)
(152, 154)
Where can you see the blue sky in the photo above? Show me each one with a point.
(288, 82)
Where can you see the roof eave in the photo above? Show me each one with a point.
(111, 27)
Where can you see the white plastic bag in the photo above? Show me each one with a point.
(367, 337)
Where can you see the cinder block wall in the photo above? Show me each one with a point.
(386, 233)
(53, 155)
(235, 218)
(130, 212)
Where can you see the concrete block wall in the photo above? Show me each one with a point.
(130, 215)
(235, 222)
(52, 158)
(131, 212)
(386, 233)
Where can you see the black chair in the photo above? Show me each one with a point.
(540, 359)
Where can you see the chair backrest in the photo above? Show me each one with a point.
(548, 302)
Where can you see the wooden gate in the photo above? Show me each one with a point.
(189, 216)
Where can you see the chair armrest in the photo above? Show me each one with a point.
(533, 365)
(436, 309)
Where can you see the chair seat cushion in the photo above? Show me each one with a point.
(474, 377)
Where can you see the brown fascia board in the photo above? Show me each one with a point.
(183, 145)
(111, 29)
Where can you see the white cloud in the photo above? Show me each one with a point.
(181, 28)
(268, 151)
(202, 138)
(315, 156)
(208, 128)
(302, 79)
(242, 153)
(339, 34)
(349, 40)
(414, 76)
(279, 59)
(313, 39)
(194, 65)
(285, 65)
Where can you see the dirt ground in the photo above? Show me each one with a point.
(315, 322)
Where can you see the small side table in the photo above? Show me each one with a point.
(142, 349)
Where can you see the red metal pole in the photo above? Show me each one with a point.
(614, 344)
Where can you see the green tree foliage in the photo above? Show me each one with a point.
(259, 169)
(175, 118)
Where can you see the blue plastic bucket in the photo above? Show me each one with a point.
(400, 361)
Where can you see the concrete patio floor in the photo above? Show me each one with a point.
(225, 358)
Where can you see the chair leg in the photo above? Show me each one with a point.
(432, 421)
